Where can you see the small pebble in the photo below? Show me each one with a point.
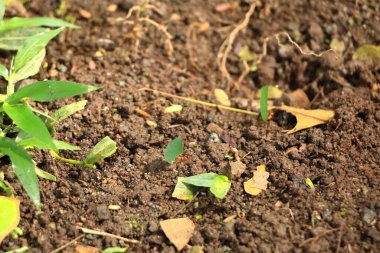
(213, 137)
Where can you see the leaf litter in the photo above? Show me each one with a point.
(179, 231)
(258, 183)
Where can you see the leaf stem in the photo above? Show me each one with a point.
(11, 85)
(72, 161)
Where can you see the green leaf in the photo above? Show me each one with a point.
(220, 186)
(31, 68)
(68, 110)
(17, 22)
(25, 119)
(104, 148)
(9, 215)
(204, 180)
(33, 142)
(5, 188)
(264, 103)
(44, 91)
(32, 46)
(3, 71)
(23, 167)
(369, 53)
(173, 150)
(45, 175)
(115, 250)
(14, 39)
(61, 145)
(2, 9)
(184, 191)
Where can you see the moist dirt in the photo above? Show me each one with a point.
(341, 157)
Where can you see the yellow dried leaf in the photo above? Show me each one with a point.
(9, 215)
(245, 54)
(222, 97)
(258, 182)
(84, 13)
(86, 249)
(178, 231)
(151, 123)
(173, 108)
(337, 45)
(306, 118)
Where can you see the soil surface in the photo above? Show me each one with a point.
(341, 157)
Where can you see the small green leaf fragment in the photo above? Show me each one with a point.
(203, 180)
(173, 150)
(228, 157)
(264, 103)
(9, 215)
(245, 54)
(184, 191)
(18, 22)
(220, 186)
(45, 175)
(115, 250)
(309, 183)
(105, 148)
(7, 191)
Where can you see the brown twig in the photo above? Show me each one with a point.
(227, 44)
(67, 244)
(102, 233)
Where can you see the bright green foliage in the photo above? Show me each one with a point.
(187, 186)
(9, 215)
(173, 150)
(33, 128)
(115, 250)
(104, 148)
(15, 31)
(264, 103)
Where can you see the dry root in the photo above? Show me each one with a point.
(138, 28)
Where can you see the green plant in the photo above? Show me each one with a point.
(187, 187)
(23, 127)
(14, 31)
(264, 103)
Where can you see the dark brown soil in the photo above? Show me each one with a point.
(341, 157)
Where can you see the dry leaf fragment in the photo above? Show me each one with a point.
(258, 182)
(306, 118)
(173, 108)
(337, 45)
(85, 14)
(86, 249)
(222, 97)
(273, 92)
(178, 231)
(298, 98)
(235, 169)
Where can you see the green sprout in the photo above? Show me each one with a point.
(187, 187)
(173, 150)
(15, 31)
(264, 103)
(23, 127)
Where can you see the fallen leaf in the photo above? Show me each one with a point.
(203, 27)
(306, 118)
(309, 183)
(298, 98)
(195, 249)
(85, 14)
(151, 123)
(337, 45)
(235, 169)
(9, 215)
(367, 52)
(273, 92)
(184, 191)
(86, 249)
(173, 108)
(222, 97)
(178, 231)
(173, 150)
(258, 182)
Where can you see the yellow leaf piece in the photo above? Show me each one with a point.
(337, 45)
(178, 231)
(367, 52)
(245, 54)
(9, 215)
(273, 92)
(151, 123)
(306, 118)
(309, 183)
(258, 183)
(222, 97)
(173, 108)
